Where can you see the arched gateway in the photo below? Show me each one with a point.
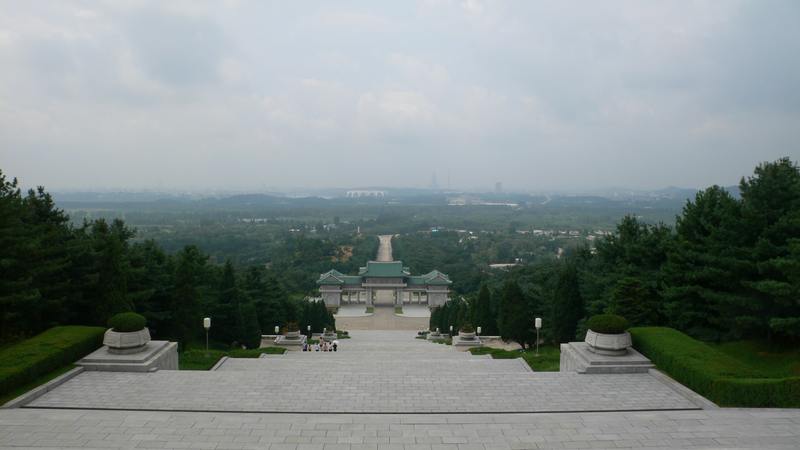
(430, 289)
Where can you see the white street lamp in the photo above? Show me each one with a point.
(451, 331)
(479, 331)
(277, 330)
(207, 325)
(308, 328)
(537, 322)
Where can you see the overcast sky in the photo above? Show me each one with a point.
(537, 95)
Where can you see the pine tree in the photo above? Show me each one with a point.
(152, 279)
(632, 300)
(482, 314)
(515, 320)
(50, 271)
(18, 294)
(703, 290)
(227, 313)
(567, 308)
(187, 296)
(771, 210)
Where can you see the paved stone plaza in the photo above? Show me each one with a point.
(383, 390)
(376, 371)
(730, 429)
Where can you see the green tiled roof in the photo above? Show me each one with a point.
(433, 277)
(384, 269)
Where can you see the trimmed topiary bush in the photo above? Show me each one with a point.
(607, 324)
(467, 328)
(292, 327)
(127, 322)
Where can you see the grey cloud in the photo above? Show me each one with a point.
(538, 95)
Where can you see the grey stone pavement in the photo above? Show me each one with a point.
(398, 393)
(375, 372)
(385, 247)
(721, 428)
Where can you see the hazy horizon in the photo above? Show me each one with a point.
(540, 96)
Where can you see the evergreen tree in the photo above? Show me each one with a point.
(270, 300)
(50, 257)
(227, 309)
(632, 300)
(567, 308)
(152, 280)
(706, 265)
(18, 295)
(516, 320)
(186, 299)
(482, 312)
(771, 210)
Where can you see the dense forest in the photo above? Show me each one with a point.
(56, 273)
(729, 268)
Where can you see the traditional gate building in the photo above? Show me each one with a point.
(431, 289)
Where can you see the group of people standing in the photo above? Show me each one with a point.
(321, 346)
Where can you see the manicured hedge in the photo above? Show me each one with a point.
(607, 324)
(127, 322)
(56, 347)
(711, 373)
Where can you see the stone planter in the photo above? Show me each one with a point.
(466, 336)
(126, 343)
(434, 336)
(292, 335)
(329, 336)
(608, 344)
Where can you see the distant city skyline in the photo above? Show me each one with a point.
(254, 95)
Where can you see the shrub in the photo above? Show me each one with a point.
(127, 322)
(711, 373)
(48, 351)
(607, 324)
(467, 328)
(292, 326)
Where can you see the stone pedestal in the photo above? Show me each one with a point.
(436, 336)
(578, 357)
(466, 340)
(153, 356)
(292, 340)
(608, 344)
(126, 343)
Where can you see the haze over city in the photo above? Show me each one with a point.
(256, 95)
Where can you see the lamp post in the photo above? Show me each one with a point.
(308, 328)
(479, 331)
(451, 331)
(277, 330)
(538, 324)
(207, 325)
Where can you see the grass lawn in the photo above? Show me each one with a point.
(774, 360)
(202, 360)
(547, 361)
(11, 395)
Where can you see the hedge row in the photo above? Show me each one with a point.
(25, 361)
(711, 373)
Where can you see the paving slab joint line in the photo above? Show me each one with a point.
(219, 363)
(684, 391)
(347, 413)
(39, 391)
